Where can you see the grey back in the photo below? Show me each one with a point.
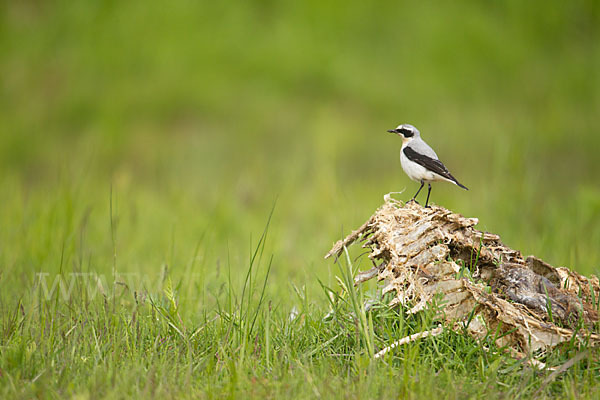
(419, 145)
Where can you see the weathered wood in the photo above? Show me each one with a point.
(487, 287)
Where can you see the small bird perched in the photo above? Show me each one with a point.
(419, 161)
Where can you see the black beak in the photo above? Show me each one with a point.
(393, 130)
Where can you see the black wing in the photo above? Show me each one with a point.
(431, 164)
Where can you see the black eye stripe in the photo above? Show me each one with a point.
(407, 132)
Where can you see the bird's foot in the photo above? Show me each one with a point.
(413, 200)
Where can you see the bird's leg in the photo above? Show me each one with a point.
(416, 194)
(428, 193)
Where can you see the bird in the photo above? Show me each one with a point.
(420, 162)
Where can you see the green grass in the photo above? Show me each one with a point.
(144, 147)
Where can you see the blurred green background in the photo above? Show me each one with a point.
(199, 117)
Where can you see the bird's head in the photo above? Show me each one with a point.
(406, 131)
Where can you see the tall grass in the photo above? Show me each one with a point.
(142, 148)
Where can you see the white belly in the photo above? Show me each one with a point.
(417, 172)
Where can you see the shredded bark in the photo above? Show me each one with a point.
(434, 332)
(486, 287)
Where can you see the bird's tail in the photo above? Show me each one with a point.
(456, 182)
(460, 185)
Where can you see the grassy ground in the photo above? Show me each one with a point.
(144, 148)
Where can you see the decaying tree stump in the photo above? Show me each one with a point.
(485, 286)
